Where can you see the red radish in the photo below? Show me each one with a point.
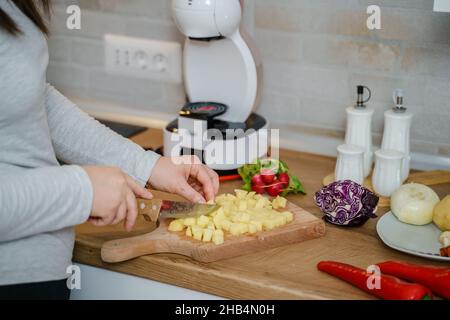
(259, 188)
(257, 180)
(268, 176)
(275, 189)
(284, 178)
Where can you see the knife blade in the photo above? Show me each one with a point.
(155, 209)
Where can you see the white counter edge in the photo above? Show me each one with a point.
(101, 284)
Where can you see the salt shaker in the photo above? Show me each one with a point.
(396, 136)
(350, 163)
(387, 175)
(359, 127)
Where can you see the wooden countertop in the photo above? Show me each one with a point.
(283, 273)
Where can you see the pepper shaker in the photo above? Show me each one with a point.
(349, 165)
(359, 127)
(387, 175)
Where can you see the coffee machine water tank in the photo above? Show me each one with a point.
(220, 62)
(200, 19)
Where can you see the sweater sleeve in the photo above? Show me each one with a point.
(58, 197)
(80, 139)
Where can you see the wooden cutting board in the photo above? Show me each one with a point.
(428, 178)
(305, 226)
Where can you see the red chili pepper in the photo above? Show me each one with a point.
(435, 278)
(229, 178)
(391, 288)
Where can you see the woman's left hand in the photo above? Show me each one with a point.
(185, 176)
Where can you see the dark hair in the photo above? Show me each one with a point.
(36, 10)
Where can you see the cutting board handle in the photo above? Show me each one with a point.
(157, 241)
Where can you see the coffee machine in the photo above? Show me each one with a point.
(223, 82)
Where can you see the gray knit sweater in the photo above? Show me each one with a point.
(41, 201)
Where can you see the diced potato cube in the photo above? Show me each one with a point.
(251, 195)
(269, 224)
(242, 205)
(234, 229)
(244, 217)
(207, 235)
(218, 221)
(202, 221)
(259, 225)
(226, 210)
(243, 227)
(211, 226)
(197, 232)
(252, 228)
(220, 212)
(251, 203)
(230, 197)
(189, 221)
(260, 203)
(211, 201)
(289, 216)
(238, 228)
(176, 225)
(189, 232)
(218, 237)
(241, 194)
(279, 202)
(282, 202)
(226, 224)
(280, 220)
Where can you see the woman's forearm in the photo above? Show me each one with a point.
(80, 139)
(41, 200)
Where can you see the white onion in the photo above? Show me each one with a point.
(413, 203)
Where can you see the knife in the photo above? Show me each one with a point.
(154, 209)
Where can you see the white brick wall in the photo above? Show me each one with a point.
(314, 52)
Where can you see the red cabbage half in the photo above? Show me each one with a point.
(346, 203)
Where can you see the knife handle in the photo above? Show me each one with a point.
(150, 209)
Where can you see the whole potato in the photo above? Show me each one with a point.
(441, 214)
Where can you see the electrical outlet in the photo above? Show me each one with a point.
(143, 58)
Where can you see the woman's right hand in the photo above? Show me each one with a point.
(114, 196)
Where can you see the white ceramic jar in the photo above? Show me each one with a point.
(396, 136)
(350, 163)
(387, 175)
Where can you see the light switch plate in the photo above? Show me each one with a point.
(143, 58)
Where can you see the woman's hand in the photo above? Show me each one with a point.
(187, 177)
(114, 196)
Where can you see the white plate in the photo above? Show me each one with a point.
(422, 241)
